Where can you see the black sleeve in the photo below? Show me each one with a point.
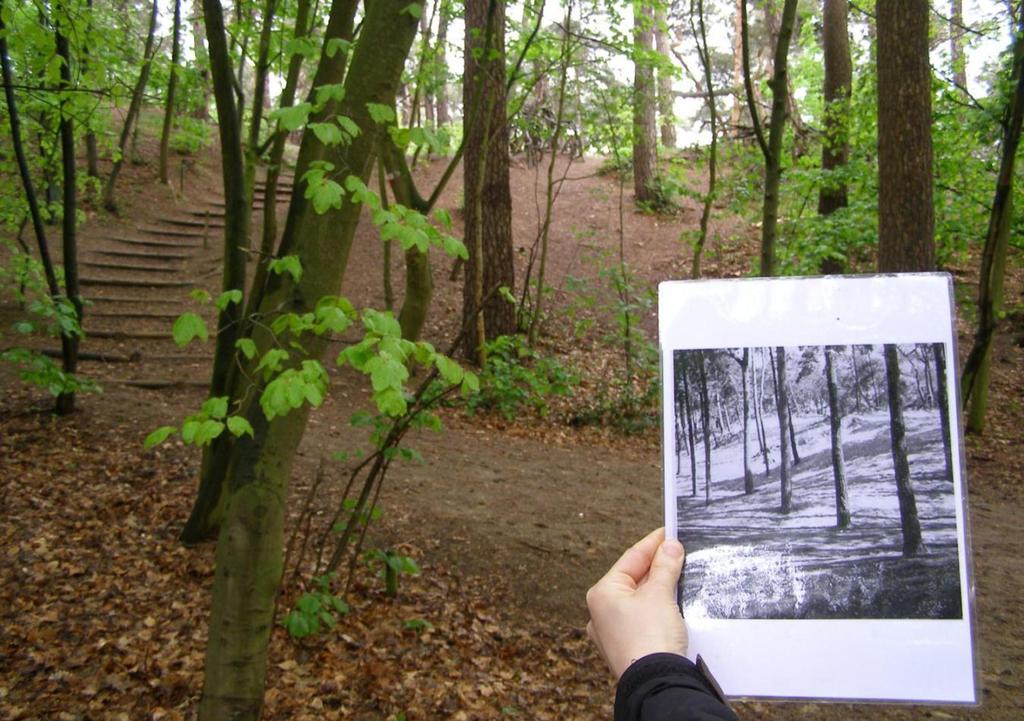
(668, 687)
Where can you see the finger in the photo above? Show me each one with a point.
(666, 565)
(637, 559)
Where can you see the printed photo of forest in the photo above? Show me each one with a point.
(816, 482)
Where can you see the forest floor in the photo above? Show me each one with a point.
(103, 613)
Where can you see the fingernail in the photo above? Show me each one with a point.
(672, 548)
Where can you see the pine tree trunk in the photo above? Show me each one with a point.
(488, 198)
(172, 82)
(905, 214)
(134, 107)
(645, 143)
(834, 146)
(666, 115)
(836, 436)
(909, 521)
(249, 550)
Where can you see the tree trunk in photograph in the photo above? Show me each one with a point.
(69, 341)
(901, 467)
(781, 402)
(834, 146)
(905, 212)
(689, 424)
(711, 103)
(858, 402)
(680, 435)
(939, 354)
(975, 380)
(645, 142)
(757, 385)
(488, 199)
(792, 432)
(134, 107)
(836, 436)
(705, 421)
(666, 115)
(210, 501)
(249, 548)
(748, 477)
(172, 82)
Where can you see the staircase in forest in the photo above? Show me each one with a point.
(136, 283)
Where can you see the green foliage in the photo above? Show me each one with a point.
(315, 610)
(517, 377)
(393, 565)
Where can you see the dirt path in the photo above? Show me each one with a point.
(534, 512)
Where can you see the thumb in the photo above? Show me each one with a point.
(666, 566)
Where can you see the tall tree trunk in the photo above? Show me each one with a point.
(645, 143)
(172, 82)
(835, 143)
(836, 436)
(781, 403)
(249, 550)
(202, 59)
(441, 94)
(762, 437)
(134, 107)
(736, 110)
(792, 432)
(709, 87)
(909, 521)
(211, 497)
(975, 380)
(905, 215)
(69, 341)
(91, 153)
(666, 115)
(957, 58)
(939, 354)
(771, 148)
(705, 421)
(488, 198)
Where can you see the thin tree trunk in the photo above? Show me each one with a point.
(202, 59)
(792, 432)
(909, 521)
(748, 477)
(781, 401)
(91, 153)
(441, 95)
(69, 341)
(645, 144)
(134, 107)
(762, 437)
(249, 550)
(975, 379)
(836, 436)
(736, 111)
(689, 425)
(172, 82)
(957, 58)
(835, 144)
(709, 198)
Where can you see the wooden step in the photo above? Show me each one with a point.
(110, 333)
(135, 283)
(155, 315)
(129, 266)
(170, 232)
(126, 299)
(154, 243)
(143, 254)
(155, 383)
(89, 357)
(213, 222)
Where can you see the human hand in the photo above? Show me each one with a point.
(633, 609)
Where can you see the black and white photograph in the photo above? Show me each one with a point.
(812, 463)
(816, 482)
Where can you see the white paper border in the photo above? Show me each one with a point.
(856, 659)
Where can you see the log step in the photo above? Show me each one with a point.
(171, 232)
(134, 283)
(154, 243)
(157, 315)
(130, 299)
(143, 254)
(154, 383)
(128, 266)
(108, 333)
(94, 357)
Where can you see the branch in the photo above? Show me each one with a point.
(755, 118)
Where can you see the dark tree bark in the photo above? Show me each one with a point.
(771, 148)
(939, 354)
(666, 115)
(836, 436)
(172, 83)
(975, 380)
(905, 214)
(134, 107)
(91, 153)
(645, 143)
(69, 341)
(249, 549)
(910, 523)
(834, 145)
(488, 198)
(705, 421)
(781, 402)
(209, 506)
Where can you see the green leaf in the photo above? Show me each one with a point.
(272, 360)
(199, 295)
(332, 46)
(380, 114)
(207, 431)
(227, 298)
(300, 46)
(454, 247)
(382, 323)
(348, 125)
(158, 436)
(239, 425)
(308, 603)
(298, 625)
(289, 264)
(450, 370)
(413, 9)
(361, 419)
(247, 346)
(328, 133)
(294, 117)
(325, 195)
(216, 407)
(187, 327)
(327, 93)
(391, 402)
(470, 383)
(386, 372)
